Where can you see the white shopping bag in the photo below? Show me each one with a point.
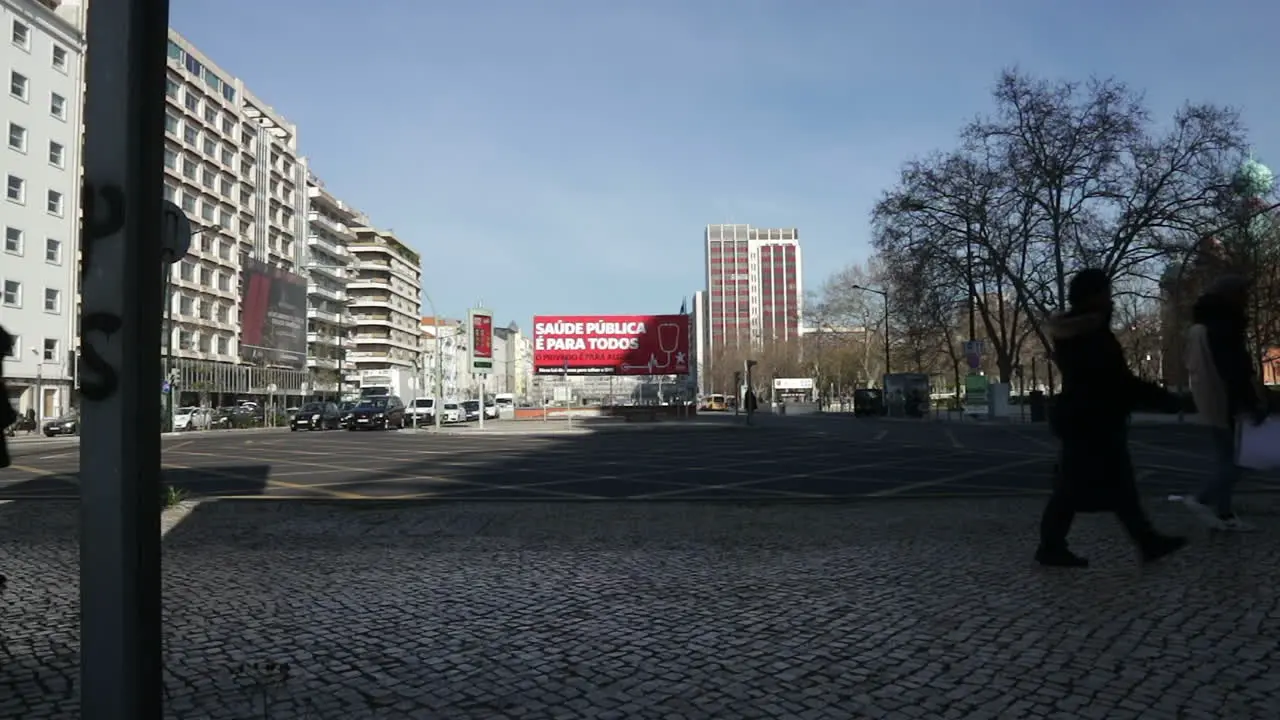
(1259, 447)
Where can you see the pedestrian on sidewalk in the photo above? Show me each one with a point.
(1226, 392)
(8, 416)
(1091, 421)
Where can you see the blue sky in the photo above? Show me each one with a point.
(563, 156)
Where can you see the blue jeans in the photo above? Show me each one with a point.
(1216, 492)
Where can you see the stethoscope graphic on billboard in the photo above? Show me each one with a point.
(668, 341)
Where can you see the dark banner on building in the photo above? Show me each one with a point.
(273, 316)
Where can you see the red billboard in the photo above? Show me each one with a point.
(611, 344)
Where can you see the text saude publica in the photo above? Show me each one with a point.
(596, 335)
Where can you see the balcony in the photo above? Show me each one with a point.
(322, 363)
(370, 300)
(332, 273)
(332, 226)
(325, 316)
(328, 245)
(327, 293)
(323, 339)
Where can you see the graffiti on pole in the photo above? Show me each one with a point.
(98, 380)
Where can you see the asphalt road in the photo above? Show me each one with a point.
(810, 458)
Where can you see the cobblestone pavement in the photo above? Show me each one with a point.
(889, 610)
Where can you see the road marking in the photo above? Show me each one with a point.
(952, 478)
(952, 437)
(59, 455)
(880, 435)
(746, 484)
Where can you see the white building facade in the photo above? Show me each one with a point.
(232, 165)
(384, 295)
(41, 58)
(328, 265)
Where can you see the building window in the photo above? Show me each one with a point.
(53, 251)
(187, 271)
(52, 300)
(224, 250)
(18, 85)
(224, 219)
(208, 177)
(57, 106)
(190, 136)
(170, 192)
(204, 343)
(188, 202)
(184, 339)
(21, 35)
(16, 189)
(53, 203)
(222, 313)
(171, 124)
(192, 101)
(189, 167)
(170, 159)
(206, 277)
(59, 57)
(224, 282)
(228, 157)
(15, 349)
(13, 240)
(57, 154)
(171, 87)
(210, 147)
(12, 295)
(207, 210)
(225, 186)
(228, 126)
(211, 115)
(223, 346)
(17, 137)
(50, 350)
(186, 305)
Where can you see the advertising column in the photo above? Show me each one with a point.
(480, 356)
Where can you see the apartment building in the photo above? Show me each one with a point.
(754, 286)
(328, 266)
(232, 165)
(448, 339)
(384, 294)
(41, 58)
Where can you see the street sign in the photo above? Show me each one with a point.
(973, 353)
(175, 233)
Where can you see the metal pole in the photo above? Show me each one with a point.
(885, 294)
(120, 631)
(168, 346)
(342, 351)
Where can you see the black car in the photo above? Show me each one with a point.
(380, 413)
(316, 416)
(868, 402)
(345, 409)
(471, 410)
(68, 424)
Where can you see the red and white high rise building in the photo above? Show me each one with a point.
(754, 292)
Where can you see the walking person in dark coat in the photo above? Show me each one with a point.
(1091, 419)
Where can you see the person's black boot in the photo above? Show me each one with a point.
(1160, 546)
(1059, 557)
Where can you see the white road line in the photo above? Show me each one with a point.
(952, 478)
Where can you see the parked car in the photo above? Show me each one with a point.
(68, 424)
(490, 410)
(471, 410)
(345, 410)
(423, 410)
(451, 413)
(192, 418)
(316, 416)
(381, 413)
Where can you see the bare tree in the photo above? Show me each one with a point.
(1103, 190)
(845, 311)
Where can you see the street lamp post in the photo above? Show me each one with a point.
(884, 294)
(167, 294)
(439, 401)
